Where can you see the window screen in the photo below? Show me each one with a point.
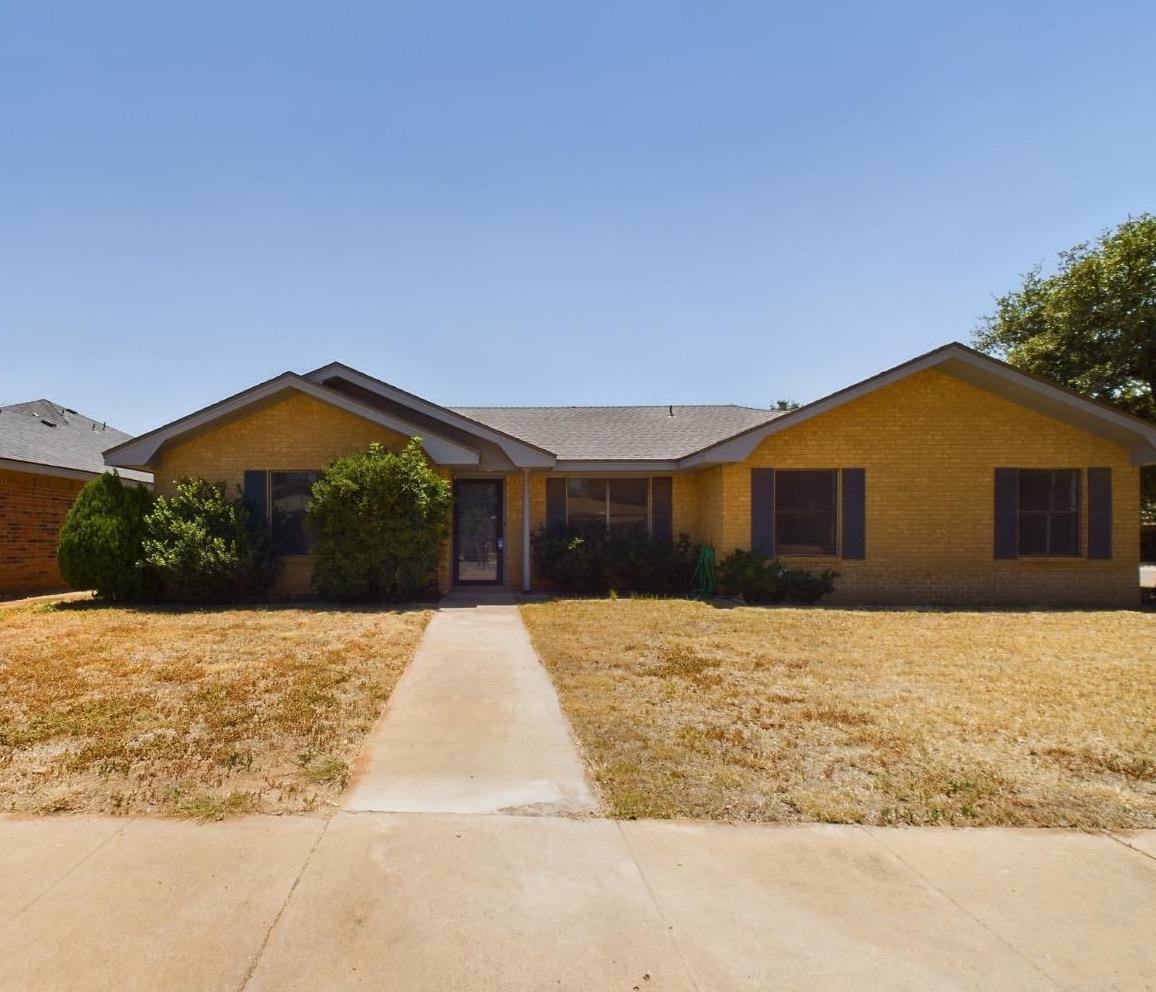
(805, 507)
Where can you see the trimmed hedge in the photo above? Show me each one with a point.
(379, 522)
(768, 580)
(101, 541)
(594, 564)
(205, 547)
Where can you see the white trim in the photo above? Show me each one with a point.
(523, 454)
(142, 450)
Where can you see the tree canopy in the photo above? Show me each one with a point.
(1092, 324)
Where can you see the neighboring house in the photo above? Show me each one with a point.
(47, 452)
(951, 479)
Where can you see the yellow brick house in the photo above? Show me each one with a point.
(951, 479)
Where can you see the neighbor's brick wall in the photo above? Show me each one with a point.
(293, 433)
(32, 510)
(930, 445)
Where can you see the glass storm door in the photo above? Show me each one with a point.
(478, 537)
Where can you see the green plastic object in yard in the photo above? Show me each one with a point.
(704, 582)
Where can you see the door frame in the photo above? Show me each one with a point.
(500, 486)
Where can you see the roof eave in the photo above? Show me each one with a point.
(1121, 428)
(523, 454)
(141, 451)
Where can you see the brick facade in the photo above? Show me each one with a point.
(929, 444)
(32, 510)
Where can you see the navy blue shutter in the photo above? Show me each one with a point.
(1099, 513)
(555, 504)
(854, 513)
(661, 509)
(1007, 513)
(763, 511)
(254, 494)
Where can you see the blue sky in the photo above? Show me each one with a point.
(498, 203)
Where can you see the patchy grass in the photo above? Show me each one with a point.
(883, 717)
(203, 714)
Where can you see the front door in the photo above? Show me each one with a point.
(478, 535)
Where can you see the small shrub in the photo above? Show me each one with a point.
(379, 521)
(595, 564)
(206, 547)
(101, 541)
(767, 580)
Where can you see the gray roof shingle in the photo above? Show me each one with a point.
(46, 433)
(615, 433)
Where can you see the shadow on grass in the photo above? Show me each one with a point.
(309, 605)
(728, 603)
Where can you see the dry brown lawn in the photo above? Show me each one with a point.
(190, 713)
(1027, 719)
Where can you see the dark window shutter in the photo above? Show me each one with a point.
(254, 494)
(555, 504)
(854, 513)
(1099, 513)
(661, 509)
(1007, 512)
(763, 511)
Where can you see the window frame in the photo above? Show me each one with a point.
(607, 480)
(1077, 512)
(835, 513)
(269, 473)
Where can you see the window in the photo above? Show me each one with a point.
(288, 498)
(805, 511)
(619, 507)
(1049, 512)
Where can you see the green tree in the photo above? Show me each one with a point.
(205, 546)
(101, 540)
(379, 521)
(1091, 325)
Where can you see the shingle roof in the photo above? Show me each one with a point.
(613, 433)
(46, 433)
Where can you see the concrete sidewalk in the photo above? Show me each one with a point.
(474, 726)
(444, 901)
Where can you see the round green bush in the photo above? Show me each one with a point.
(100, 544)
(379, 522)
(205, 547)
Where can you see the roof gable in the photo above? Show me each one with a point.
(983, 371)
(141, 451)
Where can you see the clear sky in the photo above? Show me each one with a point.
(500, 203)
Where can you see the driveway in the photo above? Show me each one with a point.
(494, 899)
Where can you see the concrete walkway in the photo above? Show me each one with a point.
(437, 901)
(445, 899)
(474, 726)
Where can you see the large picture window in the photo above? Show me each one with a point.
(1049, 512)
(806, 511)
(618, 507)
(288, 497)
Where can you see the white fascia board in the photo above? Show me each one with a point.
(141, 450)
(521, 453)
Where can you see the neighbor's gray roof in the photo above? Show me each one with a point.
(46, 433)
(612, 433)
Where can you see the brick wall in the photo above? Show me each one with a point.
(293, 433)
(32, 510)
(930, 445)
